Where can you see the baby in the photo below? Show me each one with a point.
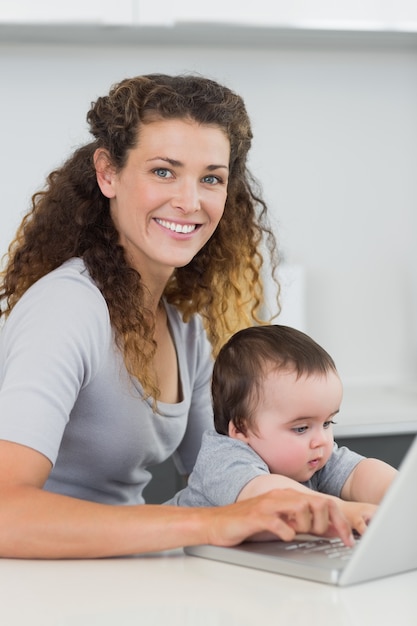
(276, 394)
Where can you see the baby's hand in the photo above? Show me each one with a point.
(359, 514)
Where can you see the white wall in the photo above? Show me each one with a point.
(335, 148)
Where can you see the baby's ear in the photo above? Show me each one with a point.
(236, 433)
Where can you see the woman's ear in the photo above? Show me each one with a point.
(105, 172)
(236, 433)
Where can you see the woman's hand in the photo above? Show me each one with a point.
(282, 513)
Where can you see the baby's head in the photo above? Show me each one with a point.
(244, 362)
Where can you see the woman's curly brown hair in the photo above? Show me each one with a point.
(71, 218)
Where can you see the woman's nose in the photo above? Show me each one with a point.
(187, 198)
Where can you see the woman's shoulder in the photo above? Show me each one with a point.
(70, 281)
(73, 273)
(65, 296)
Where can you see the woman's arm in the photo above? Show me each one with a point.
(38, 524)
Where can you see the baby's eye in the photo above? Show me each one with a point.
(328, 423)
(299, 430)
(162, 172)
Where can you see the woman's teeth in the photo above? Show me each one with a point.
(177, 228)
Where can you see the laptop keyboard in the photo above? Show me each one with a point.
(331, 548)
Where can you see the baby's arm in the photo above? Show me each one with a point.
(368, 481)
(267, 482)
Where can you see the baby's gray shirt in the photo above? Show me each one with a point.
(225, 465)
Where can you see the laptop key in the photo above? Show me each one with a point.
(331, 548)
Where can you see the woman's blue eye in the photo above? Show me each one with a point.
(211, 179)
(162, 172)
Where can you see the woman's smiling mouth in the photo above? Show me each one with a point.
(177, 228)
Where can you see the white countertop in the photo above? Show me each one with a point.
(375, 410)
(177, 590)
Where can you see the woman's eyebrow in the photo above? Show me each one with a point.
(173, 162)
(176, 163)
(217, 167)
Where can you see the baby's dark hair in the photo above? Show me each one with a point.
(247, 357)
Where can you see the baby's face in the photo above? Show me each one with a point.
(294, 419)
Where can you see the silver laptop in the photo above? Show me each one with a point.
(388, 547)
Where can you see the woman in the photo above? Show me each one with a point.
(135, 264)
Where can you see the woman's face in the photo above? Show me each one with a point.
(168, 199)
